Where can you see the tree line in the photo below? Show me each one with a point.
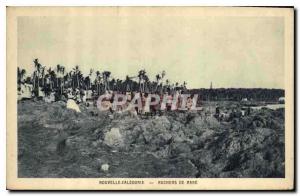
(59, 79)
(238, 94)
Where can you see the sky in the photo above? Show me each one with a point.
(230, 52)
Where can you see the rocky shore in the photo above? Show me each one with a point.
(54, 141)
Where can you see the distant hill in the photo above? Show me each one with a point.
(237, 94)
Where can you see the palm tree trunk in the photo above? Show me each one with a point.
(38, 85)
(63, 84)
(97, 89)
(34, 82)
(77, 81)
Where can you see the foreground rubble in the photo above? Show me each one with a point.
(57, 142)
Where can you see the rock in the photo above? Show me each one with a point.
(58, 126)
(179, 137)
(71, 104)
(104, 167)
(152, 147)
(212, 122)
(50, 98)
(180, 148)
(234, 146)
(60, 103)
(184, 169)
(161, 124)
(265, 132)
(165, 137)
(162, 139)
(162, 152)
(113, 138)
(98, 134)
(207, 133)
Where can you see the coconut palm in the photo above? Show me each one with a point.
(80, 79)
(89, 77)
(52, 78)
(163, 74)
(57, 80)
(76, 72)
(141, 76)
(87, 82)
(49, 79)
(119, 85)
(184, 85)
(157, 77)
(127, 83)
(98, 81)
(21, 74)
(106, 75)
(43, 76)
(112, 84)
(62, 70)
(36, 76)
(58, 76)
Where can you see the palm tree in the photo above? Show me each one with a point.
(52, 78)
(36, 75)
(47, 77)
(89, 78)
(20, 74)
(66, 80)
(62, 77)
(101, 82)
(167, 85)
(43, 75)
(71, 78)
(80, 79)
(97, 81)
(87, 82)
(141, 76)
(76, 74)
(106, 75)
(127, 83)
(112, 84)
(163, 74)
(119, 85)
(146, 83)
(60, 70)
(184, 85)
(158, 77)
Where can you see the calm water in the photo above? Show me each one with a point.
(271, 106)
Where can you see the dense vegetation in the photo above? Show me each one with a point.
(237, 94)
(59, 79)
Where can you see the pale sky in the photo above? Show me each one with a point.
(246, 52)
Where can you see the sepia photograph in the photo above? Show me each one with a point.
(150, 98)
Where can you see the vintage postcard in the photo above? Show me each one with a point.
(150, 98)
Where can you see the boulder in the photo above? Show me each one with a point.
(114, 138)
(104, 167)
(180, 148)
(71, 104)
(162, 139)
